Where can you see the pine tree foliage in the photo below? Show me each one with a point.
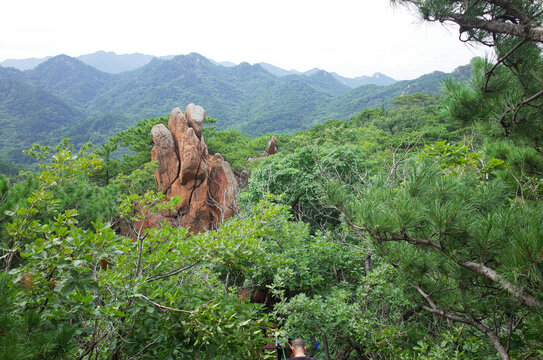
(407, 232)
(507, 93)
(467, 252)
(485, 21)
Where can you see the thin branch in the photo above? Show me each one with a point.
(494, 338)
(517, 108)
(92, 346)
(165, 307)
(171, 273)
(143, 349)
(140, 251)
(518, 293)
(500, 60)
(415, 241)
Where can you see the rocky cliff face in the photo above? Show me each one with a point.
(205, 183)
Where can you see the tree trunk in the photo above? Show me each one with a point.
(367, 263)
(325, 346)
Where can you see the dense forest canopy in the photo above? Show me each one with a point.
(63, 97)
(407, 232)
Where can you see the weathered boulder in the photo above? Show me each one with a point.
(272, 148)
(164, 149)
(206, 184)
(195, 117)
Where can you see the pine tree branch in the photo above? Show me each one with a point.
(528, 29)
(512, 10)
(500, 60)
(494, 338)
(526, 32)
(517, 109)
(519, 293)
(415, 241)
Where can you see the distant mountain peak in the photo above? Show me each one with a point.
(110, 62)
(312, 71)
(62, 57)
(321, 73)
(196, 55)
(190, 60)
(223, 63)
(62, 60)
(113, 63)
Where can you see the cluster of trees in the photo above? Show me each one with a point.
(64, 97)
(406, 232)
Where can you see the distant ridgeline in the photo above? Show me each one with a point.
(65, 97)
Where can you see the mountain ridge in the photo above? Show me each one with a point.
(113, 63)
(85, 104)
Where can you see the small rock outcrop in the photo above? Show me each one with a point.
(205, 183)
(272, 148)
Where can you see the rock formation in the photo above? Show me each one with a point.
(272, 148)
(206, 184)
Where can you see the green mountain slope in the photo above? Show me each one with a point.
(375, 79)
(11, 73)
(352, 102)
(70, 79)
(239, 96)
(322, 81)
(29, 114)
(65, 98)
(156, 88)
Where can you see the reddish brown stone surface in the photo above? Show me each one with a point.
(272, 148)
(205, 183)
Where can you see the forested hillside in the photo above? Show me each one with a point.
(411, 230)
(70, 79)
(110, 62)
(344, 236)
(29, 114)
(96, 105)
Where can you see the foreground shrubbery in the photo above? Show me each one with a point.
(383, 249)
(411, 232)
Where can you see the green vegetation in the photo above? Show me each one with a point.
(408, 232)
(366, 225)
(27, 115)
(78, 84)
(63, 97)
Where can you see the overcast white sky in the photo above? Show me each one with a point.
(351, 37)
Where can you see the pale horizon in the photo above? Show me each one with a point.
(220, 61)
(351, 38)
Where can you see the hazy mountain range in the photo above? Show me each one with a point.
(65, 97)
(375, 79)
(113, 63)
